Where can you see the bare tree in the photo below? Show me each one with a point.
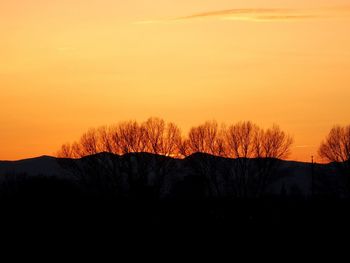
(275, 143)
(153, 136)
(107, 142)
(128, 137)
(183, 148)
(162, 138)
(89, 144)
(271, 145)
(92, 169)
(336, 148)
(173, 140)
(256, 153)
(66, 151)
(240, 142)
(206, 138)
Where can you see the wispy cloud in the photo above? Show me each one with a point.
(258, 14)
(237, 13)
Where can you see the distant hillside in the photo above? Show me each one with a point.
(44, 165)
(198, 174)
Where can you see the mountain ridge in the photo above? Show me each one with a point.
(290, 174)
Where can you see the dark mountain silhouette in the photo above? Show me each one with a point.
(143, 191)
(41, 165)
(289, 177)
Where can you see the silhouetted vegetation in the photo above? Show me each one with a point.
(336, 149)
(51, 201)
(256, 152)
(220, 176)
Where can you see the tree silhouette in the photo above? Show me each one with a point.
(271, 145)
(242, 141)
(336, 148)
(89, 144)
(206, 138)
(154, 136)
(161, 138)
(127, 137)
(255, 152)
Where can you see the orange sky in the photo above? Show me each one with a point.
(68, 65)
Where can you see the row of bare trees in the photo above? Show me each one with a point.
(241, 140)
(255, 150)
(153, 136)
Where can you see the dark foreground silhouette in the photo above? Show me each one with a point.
(143, 192)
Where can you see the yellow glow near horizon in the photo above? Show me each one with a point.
(68, 65)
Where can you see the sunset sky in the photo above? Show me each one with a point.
(66, 66)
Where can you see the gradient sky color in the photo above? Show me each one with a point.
(68, 65)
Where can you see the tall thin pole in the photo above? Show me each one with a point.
(312, 176)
